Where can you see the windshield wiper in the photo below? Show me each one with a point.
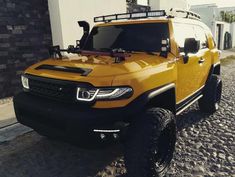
(118, 54)
(114, 50)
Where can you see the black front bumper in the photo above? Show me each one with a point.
(68, 120)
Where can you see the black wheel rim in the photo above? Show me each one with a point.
(165, 148)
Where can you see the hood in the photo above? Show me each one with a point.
(84, 68)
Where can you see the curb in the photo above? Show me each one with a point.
(7, 122)
(10, 132)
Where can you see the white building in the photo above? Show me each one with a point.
(64, 15)
(168, 4)
(210, 14)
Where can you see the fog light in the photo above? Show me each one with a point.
(102, 136)
(25, 82)
(115, 136)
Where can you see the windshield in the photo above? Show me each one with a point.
(130, 37)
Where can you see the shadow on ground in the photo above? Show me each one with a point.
(189, 118)
(33, 155)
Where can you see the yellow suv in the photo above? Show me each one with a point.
(128, 77)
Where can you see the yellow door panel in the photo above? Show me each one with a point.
(186, 77)
(204, 66)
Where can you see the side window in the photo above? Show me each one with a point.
(181, 32)
(201, 35)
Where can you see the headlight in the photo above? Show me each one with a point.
(25, 82)
(114, 93)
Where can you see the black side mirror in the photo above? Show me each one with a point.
(86, 29)
(191, 45)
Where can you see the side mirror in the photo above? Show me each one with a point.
(191, 45)
(86, 29)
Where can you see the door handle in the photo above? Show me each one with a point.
(202, 60)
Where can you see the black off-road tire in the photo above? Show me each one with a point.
(150, 144)
(209, 103)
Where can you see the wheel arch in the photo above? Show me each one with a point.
(164, 98)
(216, 69)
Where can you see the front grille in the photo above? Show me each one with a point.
(64, 91)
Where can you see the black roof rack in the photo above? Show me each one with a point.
(141, 15)
(129, 16)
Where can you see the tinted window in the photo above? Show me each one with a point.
(131, 37)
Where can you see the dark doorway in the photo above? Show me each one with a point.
(227, 41)
(218, 32)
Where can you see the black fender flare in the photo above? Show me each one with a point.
(215, 69)
(163, 97)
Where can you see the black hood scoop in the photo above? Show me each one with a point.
(82, 71)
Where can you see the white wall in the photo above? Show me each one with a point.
(154, 4)
(142, 2)
(64, 15)
(168, 4)
(56, 26)
(233, 33)
(208, 15)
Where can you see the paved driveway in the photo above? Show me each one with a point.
(227, 53)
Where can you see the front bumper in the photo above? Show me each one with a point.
(68, 120)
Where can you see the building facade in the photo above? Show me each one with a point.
(25, 36)
(65, 14)
(29, 27)
(223, 32)
(63, 21)
(167, 5)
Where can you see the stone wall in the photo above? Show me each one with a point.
(25, 35)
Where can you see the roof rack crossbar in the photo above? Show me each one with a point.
(141, 15)
(128, 16)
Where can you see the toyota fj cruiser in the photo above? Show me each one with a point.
(130, 76)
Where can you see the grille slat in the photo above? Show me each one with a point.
(58, 91)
